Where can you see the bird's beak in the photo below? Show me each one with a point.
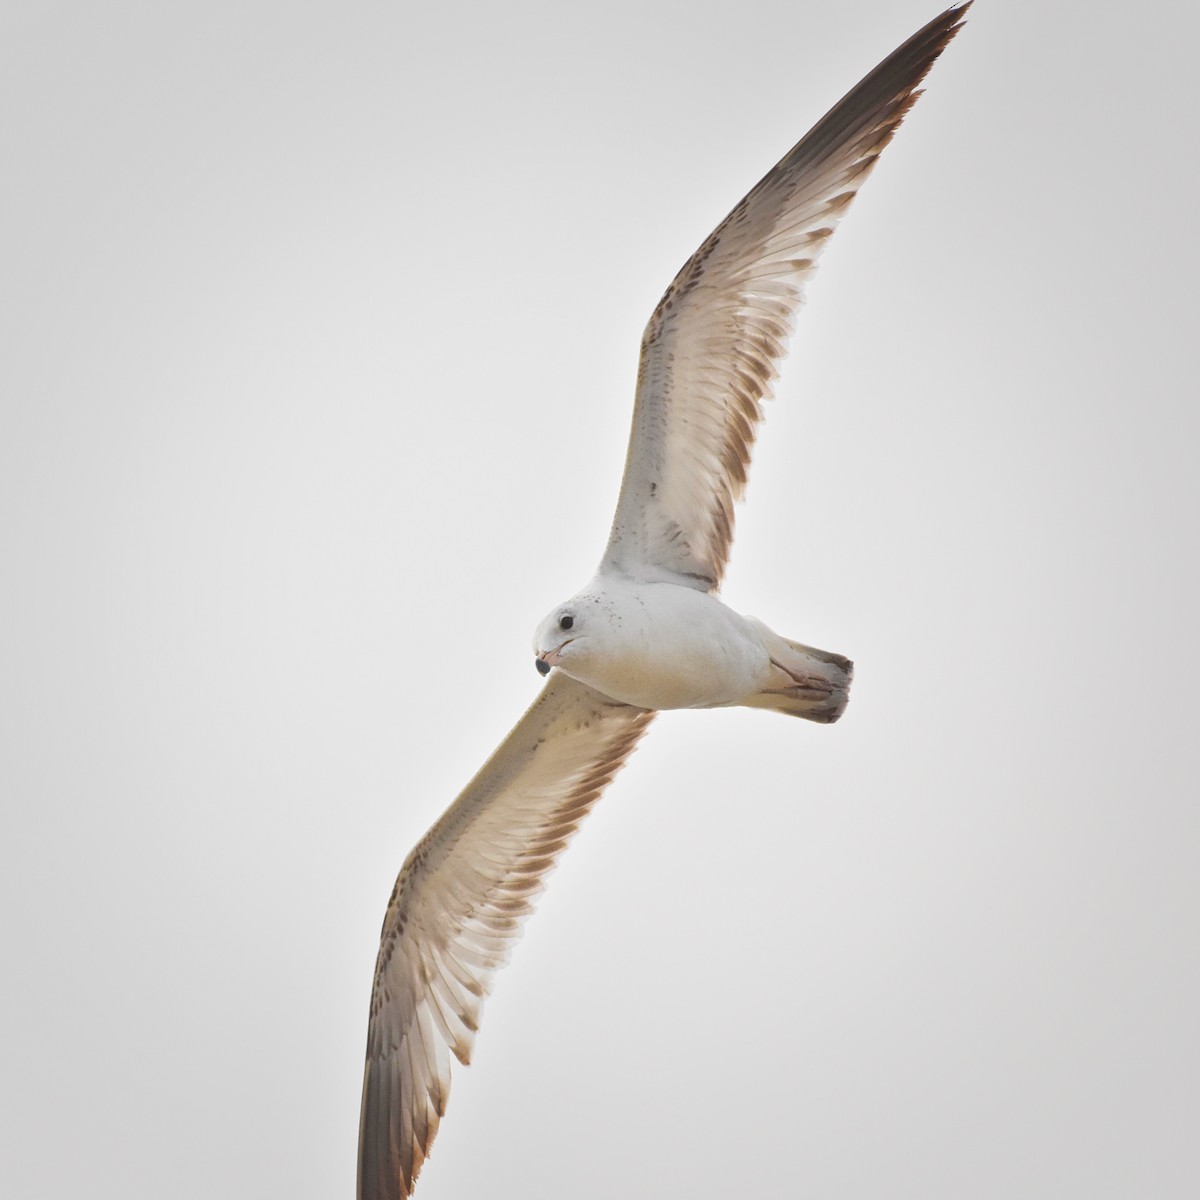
(549, 658)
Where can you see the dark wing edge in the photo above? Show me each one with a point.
(457, 910)
(711, 350)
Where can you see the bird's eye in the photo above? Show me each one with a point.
(565, 622)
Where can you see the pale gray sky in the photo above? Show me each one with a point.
(320, 329)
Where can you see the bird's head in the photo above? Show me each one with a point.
(564, 634)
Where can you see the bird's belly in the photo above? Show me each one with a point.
(680, 689)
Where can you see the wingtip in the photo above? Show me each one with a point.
(955, 17)
(390, 1155)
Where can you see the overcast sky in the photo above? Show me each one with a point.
(320, 326)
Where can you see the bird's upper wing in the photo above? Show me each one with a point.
(712, 347)
(457, 909)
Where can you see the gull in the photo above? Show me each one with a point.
(646, 633)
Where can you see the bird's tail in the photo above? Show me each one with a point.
(805, 682)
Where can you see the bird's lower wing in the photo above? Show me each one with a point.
(457, 910)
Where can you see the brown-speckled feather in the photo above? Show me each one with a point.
(457, 909)
(712, 347)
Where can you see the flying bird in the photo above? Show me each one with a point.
(646, 633)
